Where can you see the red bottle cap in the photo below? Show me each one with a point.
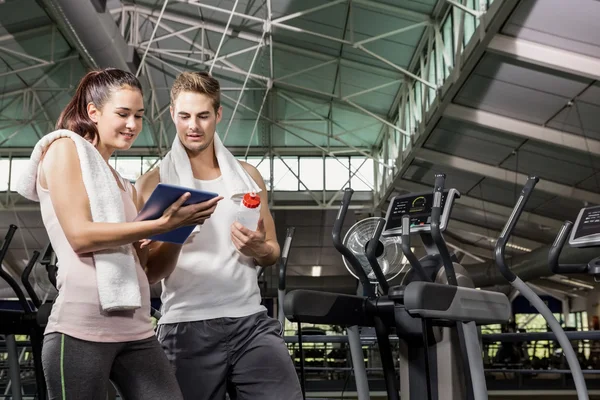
(251, 200)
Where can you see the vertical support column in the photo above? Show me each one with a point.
(14, 368)
(272, 117)
(358, 364)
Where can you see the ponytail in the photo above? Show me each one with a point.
(95, 87)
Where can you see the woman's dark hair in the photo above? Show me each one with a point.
(95, 87)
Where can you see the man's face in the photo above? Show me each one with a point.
(195, 120)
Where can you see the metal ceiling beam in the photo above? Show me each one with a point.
(491, 22)
(546, 56)
(523, 129)
(505, 175)
(237, 151)
(255, 37)
(487, 206)
(15, 35)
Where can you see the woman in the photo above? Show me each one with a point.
(84, 345)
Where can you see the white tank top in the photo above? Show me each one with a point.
(212, 279)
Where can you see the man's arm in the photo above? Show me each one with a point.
(265, 250)
(161, 257)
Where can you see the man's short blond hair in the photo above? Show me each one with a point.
(197, 82)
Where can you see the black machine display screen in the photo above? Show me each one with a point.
(418, 207)
(589, 223)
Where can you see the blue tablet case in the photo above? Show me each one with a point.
(161, 198)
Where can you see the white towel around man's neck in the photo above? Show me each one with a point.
(118, 286)
(176, 169)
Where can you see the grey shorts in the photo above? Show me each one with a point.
(246, 357)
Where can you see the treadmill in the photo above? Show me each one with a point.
(421, 311)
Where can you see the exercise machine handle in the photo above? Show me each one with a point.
(370, 252)
(336, 235)
(408, 253)
(7, 239)
(555, 250)
(500, 249)
(529, 294)
(6, 276)
(436, 232)
(289, 235)
(25, 279)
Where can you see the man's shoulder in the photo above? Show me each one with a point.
(149, 180)
(251, 169)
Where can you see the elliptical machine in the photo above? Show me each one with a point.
(419, 311)
(586, 233)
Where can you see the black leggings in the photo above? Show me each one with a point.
(78, 369)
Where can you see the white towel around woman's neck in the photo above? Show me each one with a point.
(118, 286)
(176, 169)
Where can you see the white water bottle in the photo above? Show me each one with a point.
(249, 212)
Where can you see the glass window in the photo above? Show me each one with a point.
(448, 45)
(431, 78)
(283, 178)
(263, 165)
(4, 168)
(129, 167)
(364, 177)
(149, 163)
(418, 101)
(18, 166)
(408, 126)
(469, 22)
(337, 175)
(311, 173)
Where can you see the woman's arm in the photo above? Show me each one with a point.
(61, 174)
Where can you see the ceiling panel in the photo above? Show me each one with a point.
(553, 169)
(530, 76)
(582, 119)
(592, 183)
(546, 22)
(554, 152)
(472, 142)
(424, 172)
(509, 100)
(591, 95)
(423, 6)
(561, 208)
(506, 193)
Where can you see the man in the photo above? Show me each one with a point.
(213, 329)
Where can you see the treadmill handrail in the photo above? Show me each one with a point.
(370, 254)
(500, 248)
(556, 249)
(336, 235)
(436, 233)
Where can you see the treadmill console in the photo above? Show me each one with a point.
(586, 230)
(418, 207)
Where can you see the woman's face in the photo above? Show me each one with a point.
(119, 121)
